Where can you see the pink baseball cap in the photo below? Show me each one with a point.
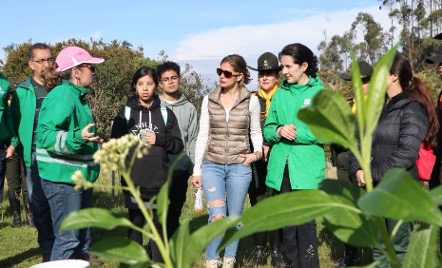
(72, 56)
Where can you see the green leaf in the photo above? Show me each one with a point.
(185, 248)
(436, 195)
(330, 119)
(122, 250)
(282, 210)
(346, 221)
(376, 91)
(93, 217)
(398, 196)
(423, 248)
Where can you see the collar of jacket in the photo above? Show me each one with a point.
(216, 95)
(301, 87)
(82, 91)
(398, 101)
(26, 84)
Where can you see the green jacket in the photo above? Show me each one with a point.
(61, 149)
(6, 130)
(23, 106)
(305, 155)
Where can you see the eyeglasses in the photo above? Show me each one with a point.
(227, 74)
(89, 66)
(48, 60)
(172, 78)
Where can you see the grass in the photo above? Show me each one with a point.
(19, 248)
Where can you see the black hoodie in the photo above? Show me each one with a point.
(150, 171)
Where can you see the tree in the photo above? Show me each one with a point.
(372, 45)
(112, 86)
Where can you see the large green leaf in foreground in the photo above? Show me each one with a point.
(400, 197)
(346, 221)
(282, 210)
(187, 245)
(330, 119)
(423, 248)
(94, 217)
(123, 250)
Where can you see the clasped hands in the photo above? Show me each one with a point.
(287, 131)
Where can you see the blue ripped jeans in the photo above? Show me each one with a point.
(228, 184)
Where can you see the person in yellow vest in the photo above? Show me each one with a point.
(268, 78)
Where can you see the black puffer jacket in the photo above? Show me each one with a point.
(402, 127)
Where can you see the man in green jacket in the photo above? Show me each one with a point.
(6, 130)
(297, 159)
(25, 107)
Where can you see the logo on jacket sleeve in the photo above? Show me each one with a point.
(307, 102)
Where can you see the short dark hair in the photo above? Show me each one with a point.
(167, 66)
(300, 54)
(36, 46)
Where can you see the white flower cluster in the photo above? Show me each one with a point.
(112, 155)
(80, 181)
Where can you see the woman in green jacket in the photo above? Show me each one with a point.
(66, 142)
(297, 159)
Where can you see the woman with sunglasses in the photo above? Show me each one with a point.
(297, 159)
(229, 120)
(66, 141)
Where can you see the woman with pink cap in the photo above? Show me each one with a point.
(66, 142)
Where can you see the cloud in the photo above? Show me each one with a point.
(253, 40)
(203, 51)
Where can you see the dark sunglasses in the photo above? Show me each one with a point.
(89, 66)
(227, 74)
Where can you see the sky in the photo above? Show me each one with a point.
(196, 32)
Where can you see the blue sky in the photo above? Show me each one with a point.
(197, 32)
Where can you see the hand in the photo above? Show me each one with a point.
(265, 151)
(196, 181)
(10, 151)
(248, 158)
(360, 178)
(288, 132)
(89, 136)
(150, 138)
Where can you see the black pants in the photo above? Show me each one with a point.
(177, 198)
(342, 174)
(258, 191)
(15, 176)
(137, 218)
(299, 241)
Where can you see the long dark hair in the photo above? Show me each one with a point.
(414, 88)
(300, 54)
(141, 72)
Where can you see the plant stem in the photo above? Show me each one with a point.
(155, 235)
(394, 261)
